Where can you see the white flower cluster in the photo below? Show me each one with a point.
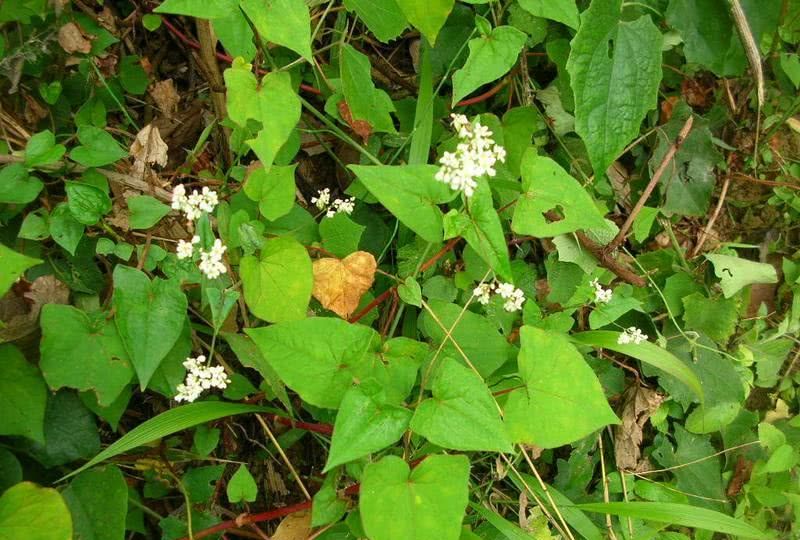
(323, 202)
(185, 249)
(631, 335)
(475, 156)
(601, 295)
(200, 377)
(514, 298)
(196, 204)
(211, 261)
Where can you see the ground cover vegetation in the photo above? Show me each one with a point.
(399, 269)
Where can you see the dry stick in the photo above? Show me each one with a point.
(284, 457)
(208, 49)
(754, 59)
(713, 219)
(623, 232)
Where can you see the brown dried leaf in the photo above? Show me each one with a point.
(21, 313)
(639, 403)
(165, 96)
(72, 39)
(149, 148)
(362, 128)
(339, 284)
(295, 526)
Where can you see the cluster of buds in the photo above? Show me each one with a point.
(475, 156)
(323, 202)
(514, 297)
(199, 378)
(196, 204)
(601, 295)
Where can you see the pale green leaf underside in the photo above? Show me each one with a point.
(736, 273)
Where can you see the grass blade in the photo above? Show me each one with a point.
(677, 514)
(649, 353)
(169, 422)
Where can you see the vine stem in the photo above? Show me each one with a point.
(269, 515)
(665, 161)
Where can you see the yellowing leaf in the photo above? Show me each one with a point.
(339, 284)
(295, 526)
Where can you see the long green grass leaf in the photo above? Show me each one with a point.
(677, 514)
(169, 422)
(423, 119)
(648, 353)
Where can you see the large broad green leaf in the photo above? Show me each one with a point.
(689, 181)
(714, 317)
(615, 68)
(149, 316)
(708, 34)
(366, 102)
(250, 356)
(426, 503)
(17, 186)
(86, 202)
(285, 22)
(12, 266)
(168, 423)
(477, 337)
(70, 431)
(272, 189)
(428, 16)
(42, 149)
(235, 34)
(647, 352)
(411, 193)
(23, 396)
(548, 187)
(83, 352)
(484, 233)
(65, 229)
(146, 211)
(735, 273)
(563, 11)
(206, 9)
(319, 358)
(383, 17)
(462, 414)
(563, 400)
(98, 502)
(365, 423)
(97, 148)
(34, 513)
(275, 104)
(490, 57)
(685, 515)
(277, 284)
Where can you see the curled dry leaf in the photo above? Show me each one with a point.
(295, 526)
(639, 403)
(20, 314)
(165, 96)
(149, 148)
(340, 284)
(73, 40)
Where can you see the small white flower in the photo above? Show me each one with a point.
(631, 335)
(211, 264)
(601, 295)
(514, 298)
(200, 377)
(475, 156)
(323, 199)
(185, 249)
(483, 293)
(345, 205)
(196, 204)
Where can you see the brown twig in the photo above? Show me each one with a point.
(208, 49)
(673, 149)
(713, 218)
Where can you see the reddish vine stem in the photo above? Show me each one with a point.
(310, 89)
(269, 515)
(388, 292)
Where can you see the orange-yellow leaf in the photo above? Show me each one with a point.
(340, 284)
